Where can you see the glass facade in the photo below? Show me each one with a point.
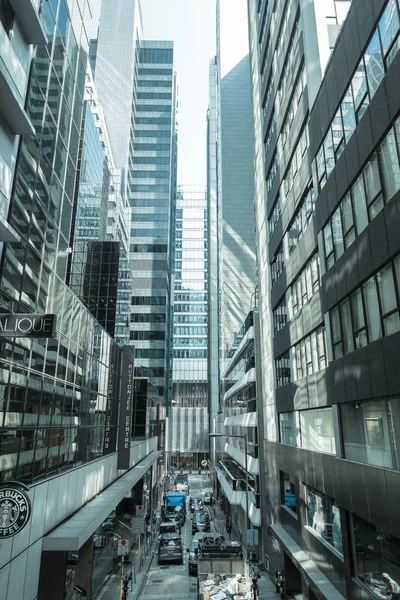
(190, 326)
(370, 432)
(151, 194)
(54, 392)
(323, 518)
(377, 557)
(99, 271)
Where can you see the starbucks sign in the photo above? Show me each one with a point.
(15, 511)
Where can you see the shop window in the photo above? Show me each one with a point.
(369, 432)
(377, 558)
(323, 518)
(317, 431)
(288, 492)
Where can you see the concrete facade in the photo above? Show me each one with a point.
(329, 157)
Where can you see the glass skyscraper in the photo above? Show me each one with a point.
(189, 413)
(151, 192)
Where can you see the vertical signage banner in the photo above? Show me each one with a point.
(125, 409)
(110, 439)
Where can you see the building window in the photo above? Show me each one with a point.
(277, 264)
(371, 312)
(6, 15)
(283, 370)
(280, 315)
(369, 432)
(288, 492)
(288, 428)
(377, 558)
(317, 431)
(323, 517)
(377, 57)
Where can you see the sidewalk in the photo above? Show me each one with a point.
(111, 590)
(266, 589)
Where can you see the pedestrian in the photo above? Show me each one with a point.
(148, 531)
(228, 526)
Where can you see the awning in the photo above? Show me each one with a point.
(74, 532)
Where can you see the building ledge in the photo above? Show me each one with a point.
(29, 20)
(248, 378)
(240, 457)
(238, 498)
(74, 532)
(248, 419)
(306, 566)
(12, 110)
(7, 233)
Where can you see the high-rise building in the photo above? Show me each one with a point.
(21, 29)
(327, 187)
(61, 441)
(189, 413)
(232, 289)
(99, 271)
(151, 192)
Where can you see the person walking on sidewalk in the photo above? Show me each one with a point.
(228, 525)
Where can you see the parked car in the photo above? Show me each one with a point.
(208, 498)
(200, 522)
(170, 549)
(194, 548)
(167, 527)
(196, 504)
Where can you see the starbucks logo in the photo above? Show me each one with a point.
(15, 510)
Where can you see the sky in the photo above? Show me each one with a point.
(191, 25)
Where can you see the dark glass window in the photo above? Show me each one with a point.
(288, 492)
(377, 558)
(6, 15)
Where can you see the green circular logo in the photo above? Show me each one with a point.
(15, 511)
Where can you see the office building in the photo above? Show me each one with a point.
(189, 411)
(240, 448)
(232, 288)
(99, 270)
(151, 192)
(141, 121)
(327, 188)
(61, 394)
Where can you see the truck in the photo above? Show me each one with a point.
(175, 503)
(182, 483)
(219, 562)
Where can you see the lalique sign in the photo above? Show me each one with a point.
(15, 510)
(30, 325)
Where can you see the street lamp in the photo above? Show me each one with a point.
(244, 437)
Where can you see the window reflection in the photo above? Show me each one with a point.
(377, 555)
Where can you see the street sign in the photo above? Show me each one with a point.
(204, 463)
(123, 547)
(140, 510)
(137, 525)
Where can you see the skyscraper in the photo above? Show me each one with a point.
(189, 412)
(61, 393)
(151, 192)
(232, 288)
(326, 196)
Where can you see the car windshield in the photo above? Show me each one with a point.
(196, 501)
(169, 543)
(168, 528)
